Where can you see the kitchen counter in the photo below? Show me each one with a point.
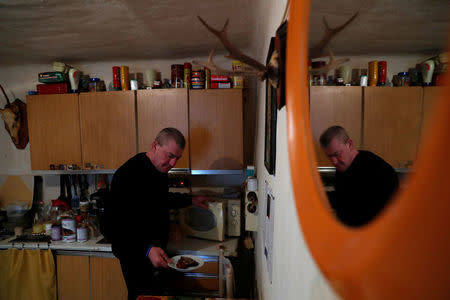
(185, 245)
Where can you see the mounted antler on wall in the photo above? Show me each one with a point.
(15, 117)
(271, 70)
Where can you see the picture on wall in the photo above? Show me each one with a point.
(271, 119)
(280, 47)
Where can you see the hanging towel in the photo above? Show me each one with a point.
(27, 274)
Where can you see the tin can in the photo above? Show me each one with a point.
(198, 79)
(382, 71)
(177, 75)
(238, 81)
(373, 73)
(116, 77)
(363, 80)
(82, 234)
(207, 78)
(134, 84)
(56, 233)
(69, 230)
(124, 73)
(187, 75)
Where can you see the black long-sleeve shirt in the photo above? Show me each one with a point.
(364, 189)
(137, 211)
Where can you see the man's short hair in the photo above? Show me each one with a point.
(170, 133)
(332, 132)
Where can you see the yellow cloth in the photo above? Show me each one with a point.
(27, 274)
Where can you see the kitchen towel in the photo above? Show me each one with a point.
(27, 274)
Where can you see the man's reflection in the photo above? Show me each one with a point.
(364, 182)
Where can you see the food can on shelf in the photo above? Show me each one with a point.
(177, 75)
(187, 75)
(238, 81)
(69, 230)
(382, 71)
(207, 78)
(56, 233)
(373, 73)
(116, 77)
(198, 79)
(82, 234)
(124, 73)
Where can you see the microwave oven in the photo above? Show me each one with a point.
(223, 217)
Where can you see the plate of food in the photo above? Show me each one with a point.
(186, 263)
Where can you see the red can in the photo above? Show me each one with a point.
(382, 70)
(116, 77)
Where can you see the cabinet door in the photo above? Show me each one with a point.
(430, 97)
(54, 130)
(392, 123)
(107, 281)
(158, 109)
(108, 128)
(335, 105)
(73, 277)
(215, 129)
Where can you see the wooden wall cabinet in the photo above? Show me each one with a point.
(90, 277)
(158, 109)
(108, 128)
(334, 105)
(95, 128)
(392, 118)
(384, 120)
(54, 130)
(216, 129)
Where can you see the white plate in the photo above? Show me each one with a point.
(176, 258)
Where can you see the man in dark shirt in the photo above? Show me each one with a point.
(364, 182)
(137, 214)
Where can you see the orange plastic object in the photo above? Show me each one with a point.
(405, 252)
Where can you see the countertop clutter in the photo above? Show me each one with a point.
(185, 245)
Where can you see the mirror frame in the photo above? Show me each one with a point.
(405, 252)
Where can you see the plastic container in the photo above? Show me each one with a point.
(373, 73)
(124, 73)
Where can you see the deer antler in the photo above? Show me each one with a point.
(219, 71)
(261, 70)
(332, 64)
(329, 34)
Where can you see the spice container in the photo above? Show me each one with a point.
(116, 78)
(177, 73)
(124, 73)
(373, 73)
(382, 71)
(404, 78)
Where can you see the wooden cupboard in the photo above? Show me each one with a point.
(332, 105)
(391, 126)
(95, 128)
(89, 277)
(158, 109)
(54, 130)
(106, 279)
(430, 97)
(108, 128)
(385, 120)
(105, 129)
(216, 129)
(72, 277)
